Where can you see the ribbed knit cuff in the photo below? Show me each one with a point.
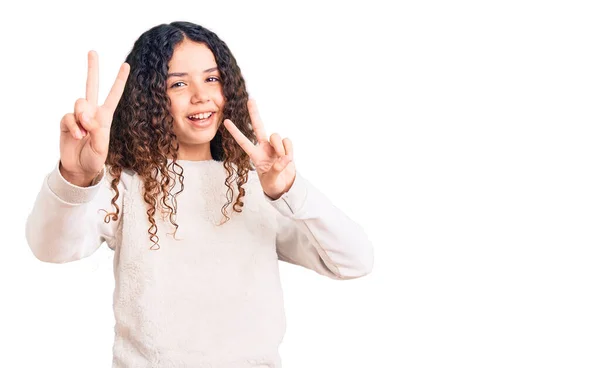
(70, 193)
(293, 200)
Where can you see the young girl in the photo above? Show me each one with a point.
(176, 173)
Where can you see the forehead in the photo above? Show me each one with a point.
(191, 56)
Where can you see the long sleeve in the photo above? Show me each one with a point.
(67, 222)
(315, 234)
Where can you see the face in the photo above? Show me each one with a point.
(197, 101)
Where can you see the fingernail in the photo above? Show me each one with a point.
(83, 132)
(78, 134)
(85, 118)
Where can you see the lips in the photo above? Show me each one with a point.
(201, 123)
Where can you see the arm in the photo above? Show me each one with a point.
(314, 234)
(311, 232)
(66, 222)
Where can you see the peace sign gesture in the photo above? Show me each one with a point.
(85, 133)
(273, 158)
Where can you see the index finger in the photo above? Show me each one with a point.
(257, 124)
(240, 138)
(112, 100)
(91, 85)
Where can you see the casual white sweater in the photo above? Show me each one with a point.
(213, 297)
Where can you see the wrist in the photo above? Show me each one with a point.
(275, 195)
(77, 179)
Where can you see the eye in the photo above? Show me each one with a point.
(177, 84)
(212, 79)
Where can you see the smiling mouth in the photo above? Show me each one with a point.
(201, 117)
(203, 120)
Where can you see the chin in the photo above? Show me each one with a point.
(201, 137)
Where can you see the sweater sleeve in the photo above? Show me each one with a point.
(315, 234)
(67, 222)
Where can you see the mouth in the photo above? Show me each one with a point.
(201, 120)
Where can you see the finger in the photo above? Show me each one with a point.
(240, 138)
(91, 86)
(289, 148)
(282, 163)
(84, 112)
(112, 100)
(69, 124)
(257, 124)
(276, 143)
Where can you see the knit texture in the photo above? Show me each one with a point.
(210, 296)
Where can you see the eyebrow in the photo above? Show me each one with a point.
(210, 70)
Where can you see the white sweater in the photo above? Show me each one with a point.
(213, 297)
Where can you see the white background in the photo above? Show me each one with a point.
(463, 136)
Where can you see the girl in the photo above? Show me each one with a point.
(176, 174)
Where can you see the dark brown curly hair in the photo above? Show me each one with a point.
(142, 137)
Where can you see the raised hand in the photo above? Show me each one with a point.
(85, 133)
(273, 158)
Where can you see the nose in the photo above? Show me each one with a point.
(200, 94)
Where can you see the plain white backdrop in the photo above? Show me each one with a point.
(463, 136)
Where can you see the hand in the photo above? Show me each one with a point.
(273, 158)
(85, 134)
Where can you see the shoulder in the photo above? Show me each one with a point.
(125, 181)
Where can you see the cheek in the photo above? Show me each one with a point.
(176, 107)
(219, 98)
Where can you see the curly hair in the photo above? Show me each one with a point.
(142, 137)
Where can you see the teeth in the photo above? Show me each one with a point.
(201, 116)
